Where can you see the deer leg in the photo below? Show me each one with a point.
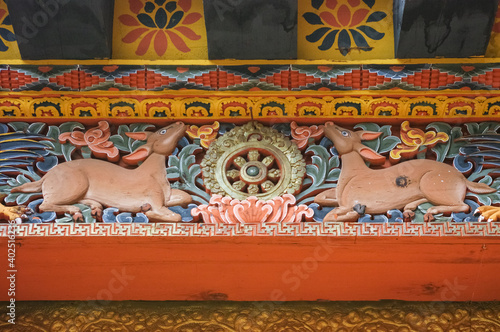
(95, 206)
(408, 213)
(429, 216)
(342, 214)
(327, 198)
(179, 197)
(60, 208)
(163, 215)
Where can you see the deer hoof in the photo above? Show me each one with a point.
(429, 217)
(78, 217)
(146, 207)
(408, 216)
(97, 213)
(359, 209)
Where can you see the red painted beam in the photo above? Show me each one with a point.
(255, 268)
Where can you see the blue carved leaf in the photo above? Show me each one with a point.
(175, 19)
(7, 35)
(161, 18)
(359, 40)
(149, 7)
(170, 6)
(317, 35)
(312, 18)
(371, 32)
(146, 20)
(344, 42)
(7, 21)
(376, 16)
(3, 47)
(316, 3)
(369, 3)
(328, 41)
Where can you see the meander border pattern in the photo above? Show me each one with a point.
(438, 229)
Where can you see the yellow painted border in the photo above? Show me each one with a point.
(266, 107)
(233, 62)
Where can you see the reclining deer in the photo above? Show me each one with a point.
(361, 189)
(96, 183)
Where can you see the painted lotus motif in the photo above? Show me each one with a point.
(345, 23)
(5, 34)
(163, 23)
(227, 210)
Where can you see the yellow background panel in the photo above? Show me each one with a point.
(493, 49)
(12, 52)
(172, 30)
(345, 30)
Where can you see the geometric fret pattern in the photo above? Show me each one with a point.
(414, 77)
(266, 229)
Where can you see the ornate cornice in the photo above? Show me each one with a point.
(436, 229)
(254, 316)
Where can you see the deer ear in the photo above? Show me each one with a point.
(368, 135)
(138, 155)
(140, 135)
(371, 156)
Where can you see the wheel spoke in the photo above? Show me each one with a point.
(233, 174)
(268, 161)
(253, 189)
(274, 173)
(253, 155)
(267, 185)
(239, 161)
(239, 185)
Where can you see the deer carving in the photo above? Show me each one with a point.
(96, 183)
(406, 185)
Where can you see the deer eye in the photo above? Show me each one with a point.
(345, 133)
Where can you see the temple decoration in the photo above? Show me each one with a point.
(159, 29)
(251, 173)
(345, 29)
(95, 183)
(253, 160)
(226, 210)
(8, 42)
(206, 133)
(415, 141)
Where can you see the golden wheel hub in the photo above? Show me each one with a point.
(253, 160)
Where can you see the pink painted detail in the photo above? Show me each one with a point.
(97, 139)
(226, 210)
(302, 134)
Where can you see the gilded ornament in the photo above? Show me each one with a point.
(253, 160)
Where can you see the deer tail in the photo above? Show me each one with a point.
(479, 188)
(30, 187)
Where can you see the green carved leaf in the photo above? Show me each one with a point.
(71, 126)
(323, 168)
(185, 171)
(86, 152)
(24, 177)
(19, 126)
(36, 128)
(481, 128)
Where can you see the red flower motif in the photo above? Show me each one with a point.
(97, 139)
(162, 23)
(344, 18)
(344, 24)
